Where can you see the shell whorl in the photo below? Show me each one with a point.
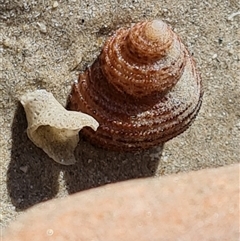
(149, 41)
(147, 52)
(143, 88)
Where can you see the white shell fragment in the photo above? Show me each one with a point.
(53, 128)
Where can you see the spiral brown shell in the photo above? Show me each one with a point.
(143, 88)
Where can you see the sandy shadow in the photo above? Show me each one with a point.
(32, 176)
(96, 167)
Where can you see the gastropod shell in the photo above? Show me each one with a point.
(143, 89)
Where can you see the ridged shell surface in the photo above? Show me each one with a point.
(143, 89)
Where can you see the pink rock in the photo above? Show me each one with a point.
(202, 205)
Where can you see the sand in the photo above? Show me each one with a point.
(45, 44)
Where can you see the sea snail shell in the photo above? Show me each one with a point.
(143, 88)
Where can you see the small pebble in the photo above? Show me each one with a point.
(89, 161)
(24, 169)
(214, 56)
(42, 27)
(6, 43)
(55, 4)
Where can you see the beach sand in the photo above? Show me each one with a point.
(46, 44)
